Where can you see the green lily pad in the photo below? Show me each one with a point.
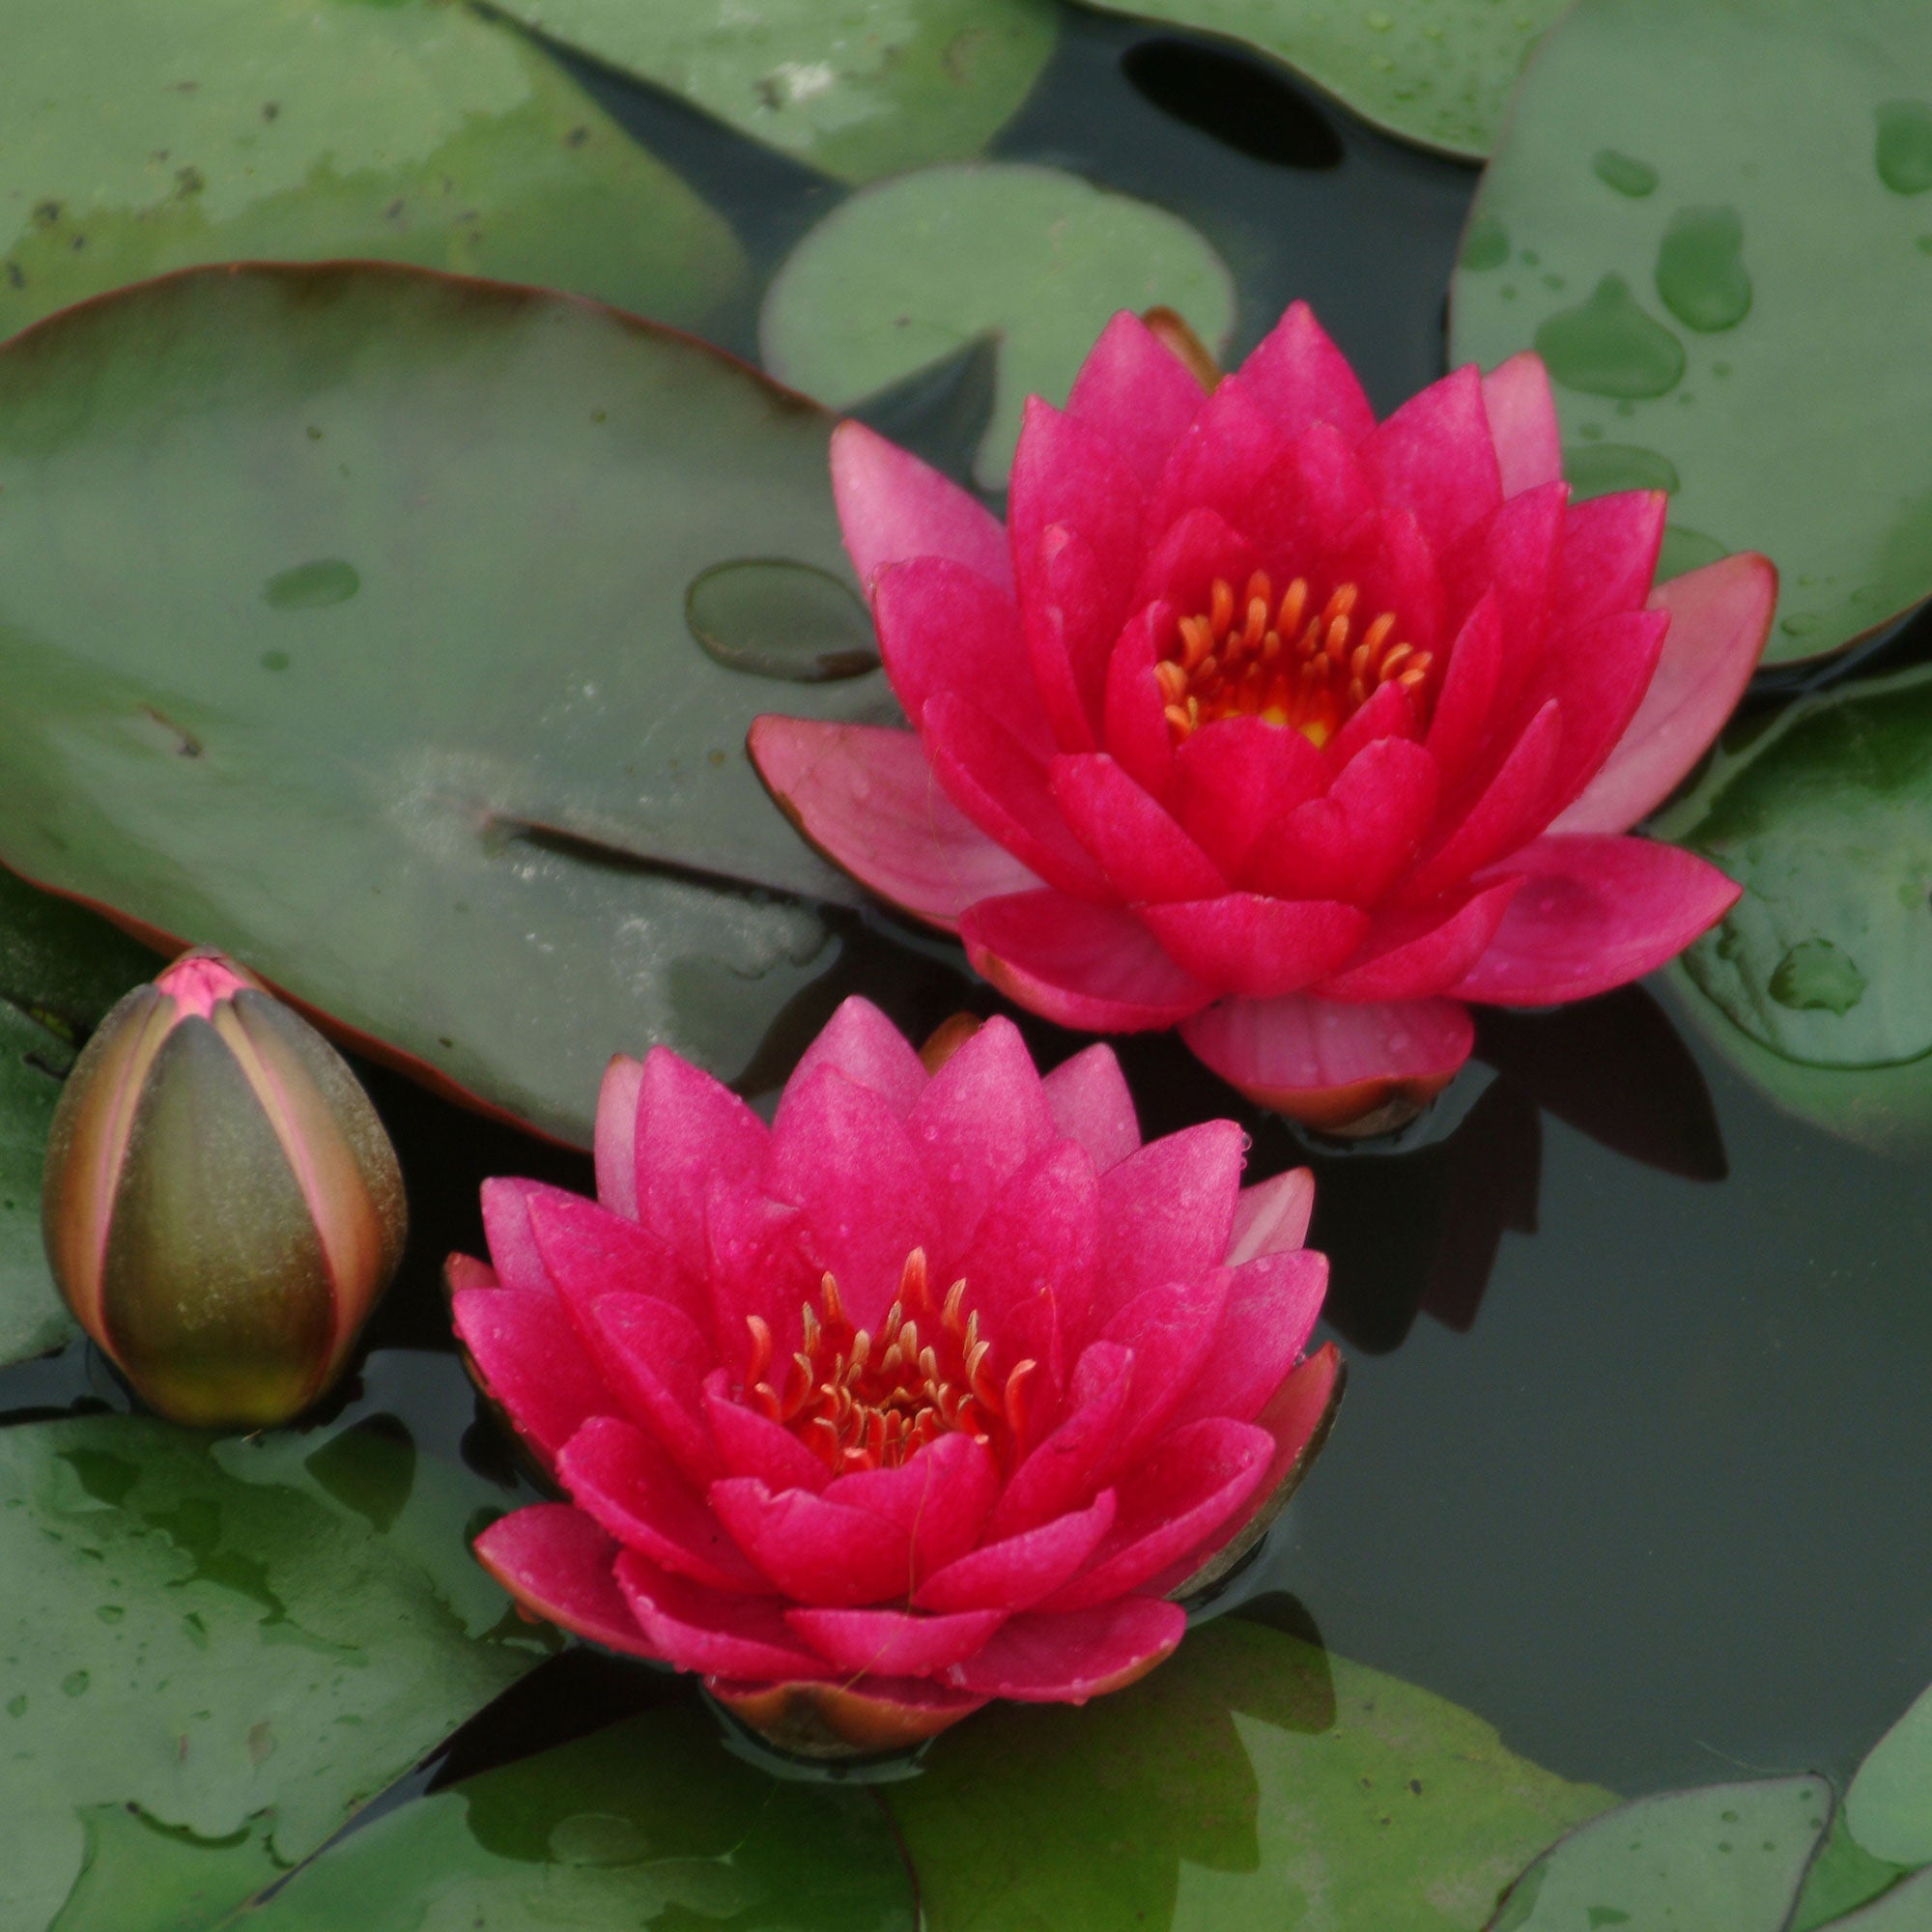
(912, 273)
(857, 88)
(1437, 72)
(199, 1636)
(651, 1821)
(1709, 229)
(1888, 1807)
(1825, 820)
(1251, 1780)
(491, 811)
(135, 139)
(1905, 1908)
(1844, 1877)
(1729, 1857)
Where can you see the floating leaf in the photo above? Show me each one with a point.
(857, 88)
(200, 1638)
(135, 139)
(1729, 1857)
(651, 1821)
(1433, 71)
(1844, 1877)
(490, 809)
(1714, 236)
(1889, 1808)
(1906, 1908)
(912, 273)
(1250, 1781)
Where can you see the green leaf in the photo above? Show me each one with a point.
(911, 273)
(1889, 1808)
(857, 88)
(1704, 216)
(1906, 1908)
(1729, 1857)
(1433, 71)
(135, 139)
(490, 809)
(1251, 1780)
(649, 1823)
(1843, 1876)
(199, 1636)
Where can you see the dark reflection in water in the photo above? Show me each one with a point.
(1251, 109)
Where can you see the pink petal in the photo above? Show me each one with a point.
(1219, 462)
(1016, 1573)
(692, 1130)
(1418, 952)
(815, 1551)
(618, 1475)
(1598, 674)
(1391, 565)
(616, 1135)
(1169, 1331)
(1718, 618)
(656, 1359)
(892, 506)
(1596, 912)
(1271, 1217)
(1351, 844)
(1270, 1312)
(1071, 613)
(758, 1267)
(1388, 713)
(751, 1444)
(1523, 424)
(1244, 944)
(1041, 1657)
(866, 797)
(983, 1115)
(1610, 555)
(1513, 556)
(1514, 806)
(1465, 700)
(1235, 778)
(1134, 715)
(1084, 966)
(1196, 1479)
(1060, 1473)
(943, 627)
(506, 1226)
(864, 1045)
(839, 1153)
(528, 1352)
(1301, 378)
(1168, 1212)
(1133, 390)
(1435, 459)
(589, 1252)
(895, 1644)
(464, 1273)
(1004, 790)
(713, 1631)
(1091, 1103)
(1183, 566)
(938, 1502)
(1145, 854)
(1302, 511)
(1326, 1062)
(557, 1563)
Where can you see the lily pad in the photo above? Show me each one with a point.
(914, 273)
(1844, 1877)
(1436, 73)
(1905, 1908)
(1250, 1781)
(1729, 1857)
(200, 1638)
(1702, 218)
(857, 88)
(651, 1821)
(1889, 1808)
(490, 813)
(137, 140)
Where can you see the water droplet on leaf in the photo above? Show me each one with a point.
(1623, 173)
(1700, 273)
(1608, 347)
(312, 586)
(1816, 977)
(1904, 155)
(773, 618)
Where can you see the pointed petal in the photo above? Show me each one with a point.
(528, 1352)
(1169, 1330)
(506, 1226)
(1512, 556)
(892, 506)
(1060, 1473)
(866, 797)
(1512, 806)
(714, 1630)
(1071, 615)
(1329, 1064)
(1416, 953)
(1435, 459)
(1145, 854)
(1133, 390)
(589, 1253)
(1065, 473)
(815, 1551)
(1183, 564)
(1388, 713)
(1219, 462)
(1271, 1217)
(656, 1359)
(1235, 778)
(692, 1130)
(1091, 1104)
(895, 1644)
(1609, 557)
(1256, 947)
(1595, 912)
(1046, 1658)
(1304, 508)
(1718, 618)
(1301, 378)
(1355, 841)
(1466, 699)
(1134, 727)
(1270, 1312)
(1167, 1213)
(1017, 1572)
(1523, 424)
(1599, 674)
(1086, 966)
(758, 1267)
(869, 1051)
(616, 1135)
(751, 1444)
(937, 1502)
(558, 1564)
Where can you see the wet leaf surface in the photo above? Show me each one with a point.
(1708, 227)
(1889, 1808)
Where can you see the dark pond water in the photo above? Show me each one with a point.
(1638, 1440)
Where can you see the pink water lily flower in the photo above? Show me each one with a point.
(1266, 720)
(936, 1391)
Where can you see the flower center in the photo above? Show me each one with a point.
(860, 1401)
(1252, 657)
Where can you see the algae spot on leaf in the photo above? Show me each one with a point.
(1904, 145)
(1609, 346)
(1817, 977)
(1701, 271)
(311, 586)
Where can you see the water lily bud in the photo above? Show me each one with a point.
(221, 1206)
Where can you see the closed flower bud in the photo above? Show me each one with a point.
(221, 1206)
